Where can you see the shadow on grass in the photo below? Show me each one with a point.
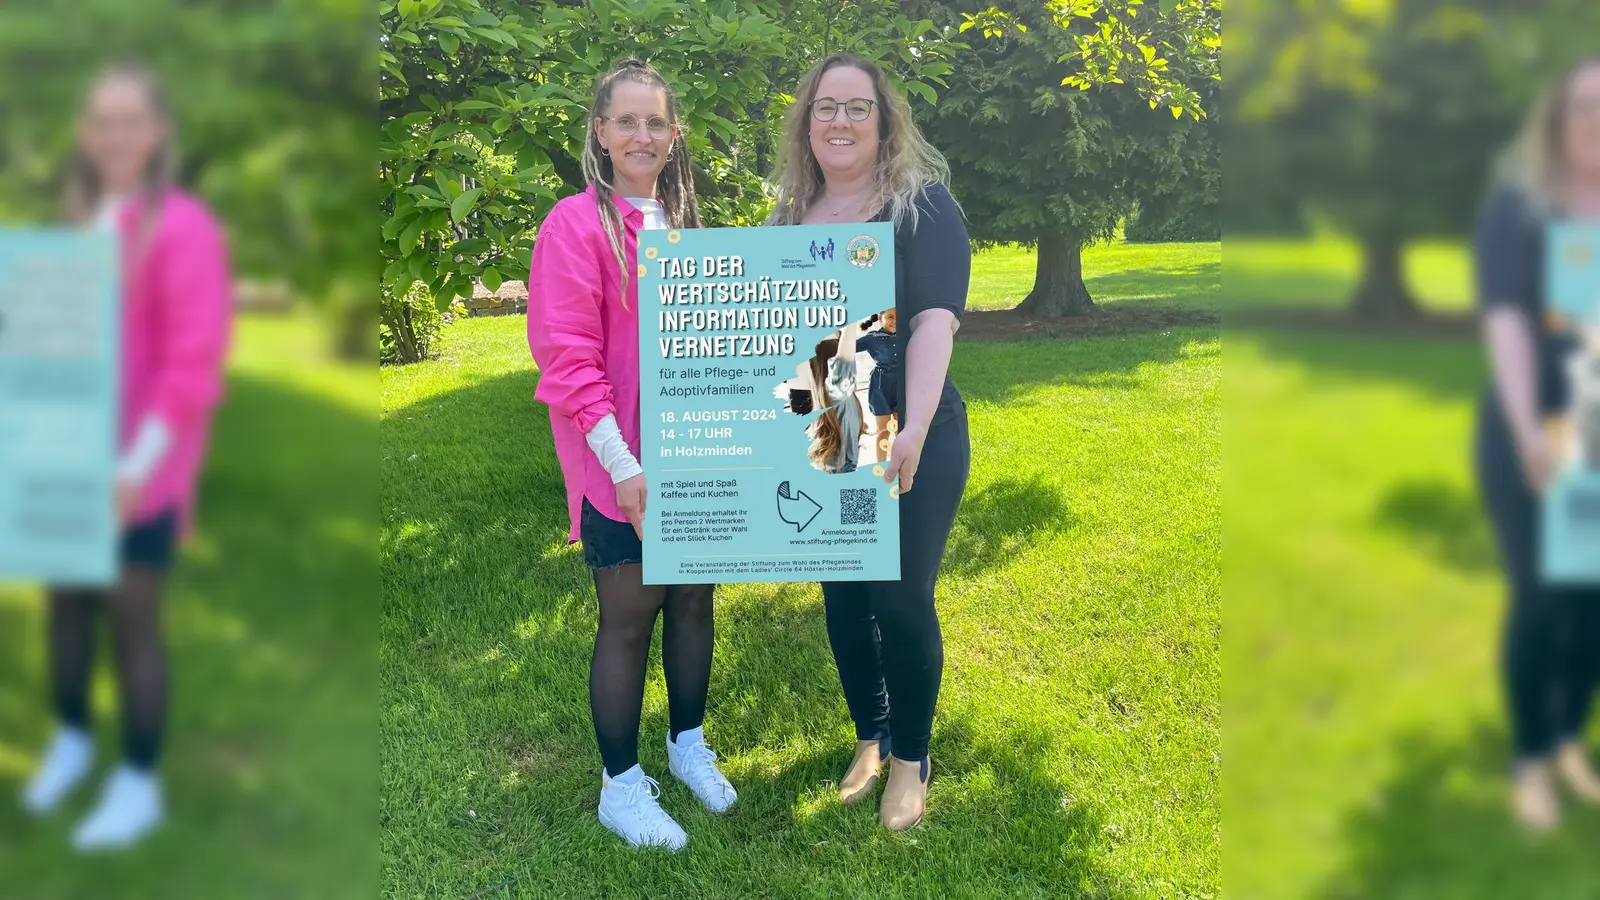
(1194, 286)
(996, 818)
(1440, 828)
(513, 493)
(1001, 520)
(504, 478)
(1448, 371)
(1444, 522)
(1004, 374)
(509, 636)
(1245, 289)
(271, 619)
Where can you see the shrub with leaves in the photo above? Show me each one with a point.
(410, 324)
(484, 105)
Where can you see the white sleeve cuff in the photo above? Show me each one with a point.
(605, 439)
(150, 445)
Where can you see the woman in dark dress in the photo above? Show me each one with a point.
(1552, 636)
(853, 154)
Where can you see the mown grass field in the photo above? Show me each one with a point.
(1129, 276)
(271, 765)
(1076, 751)
(1364, 731)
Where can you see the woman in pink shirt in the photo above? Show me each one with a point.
(176, 312)
(583, 329)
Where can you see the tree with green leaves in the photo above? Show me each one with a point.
(1383, 119)
(273, 103)
(1066, 114)
(484, 105)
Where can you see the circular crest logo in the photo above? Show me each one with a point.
(862, 251)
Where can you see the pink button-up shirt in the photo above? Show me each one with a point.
(177, 312)
(584, 342)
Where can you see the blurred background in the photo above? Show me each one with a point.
(272, 612)
(1365, 737)
(1081, 600)
(1366, 746)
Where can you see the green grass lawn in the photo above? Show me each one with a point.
(271, 769)
(1322, 274)
(1118, 275)
(1365, 739)
(1076, 750)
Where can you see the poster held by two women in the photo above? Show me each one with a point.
(760, 349)
(1571, 548)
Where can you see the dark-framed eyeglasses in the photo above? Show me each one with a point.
(628, 125)
(826, 109)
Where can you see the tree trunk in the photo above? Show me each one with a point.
(1058, 288)
(1382, 293)
(398, 318)
(357, 336)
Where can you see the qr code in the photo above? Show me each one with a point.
(858, 506)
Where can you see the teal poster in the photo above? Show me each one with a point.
(766, 356)
(58, 406)
(1571, 545)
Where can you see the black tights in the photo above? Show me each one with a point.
(134, 610)
(628, 609)
(1551, 650)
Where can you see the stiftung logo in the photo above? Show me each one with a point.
(862, 251)
(822, 251)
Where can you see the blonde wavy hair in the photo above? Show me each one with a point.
(1535, 162)
(906, 165)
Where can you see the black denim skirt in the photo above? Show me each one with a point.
(607, 543)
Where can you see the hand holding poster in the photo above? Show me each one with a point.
(764, 354)
(1571, 544)
(58, 402)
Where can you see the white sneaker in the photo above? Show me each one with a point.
(695, 764)
(65, 764)
(129, 807)
(630, 809)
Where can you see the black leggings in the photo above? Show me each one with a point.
(885, 634)
(133, 608)
(1551, 653)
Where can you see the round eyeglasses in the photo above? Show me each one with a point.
(826, 109)
(628, 126)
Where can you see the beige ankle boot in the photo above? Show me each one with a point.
(862, 776)
(1533, 797)
(905, 797)
(1573, 764)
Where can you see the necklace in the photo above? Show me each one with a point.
(852, 203)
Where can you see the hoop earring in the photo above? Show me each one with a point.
(604, 152)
